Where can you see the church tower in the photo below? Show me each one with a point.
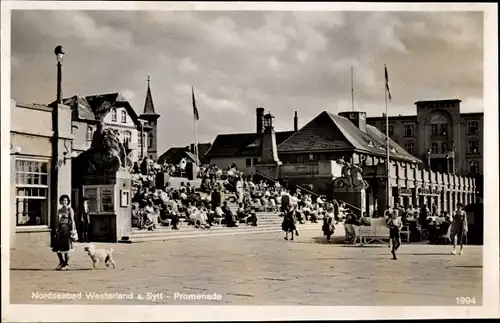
(151, 118)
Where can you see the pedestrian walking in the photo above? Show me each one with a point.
(328, 223)
(288, 224)
(395, 224)
(85, 220)
(65, 229)
(459, 228)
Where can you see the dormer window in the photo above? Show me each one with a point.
(370, 143)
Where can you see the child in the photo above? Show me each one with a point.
(328, 226)
(395, 224)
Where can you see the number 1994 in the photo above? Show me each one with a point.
(466, 300)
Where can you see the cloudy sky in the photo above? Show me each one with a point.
(237, 61)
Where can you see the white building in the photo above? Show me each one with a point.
(138, 133)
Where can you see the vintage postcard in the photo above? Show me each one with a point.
(249, 161)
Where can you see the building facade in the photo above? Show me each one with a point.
(117, 114)
(445, 139)
(41, 142)
(309, 160)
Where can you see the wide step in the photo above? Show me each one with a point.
(165, 233)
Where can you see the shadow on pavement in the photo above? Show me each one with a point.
(50, 269)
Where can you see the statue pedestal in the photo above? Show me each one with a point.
(356, 198)
(110, 198)
(271, 170)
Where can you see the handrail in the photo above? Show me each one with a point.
(266, 177)
(310, 192)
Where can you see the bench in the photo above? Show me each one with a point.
(377, 231)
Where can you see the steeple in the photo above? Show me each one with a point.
(149, 108)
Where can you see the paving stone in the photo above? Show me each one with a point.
(257, 270)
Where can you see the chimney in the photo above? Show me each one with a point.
(296, 122)
(260, 120)
(356, 117)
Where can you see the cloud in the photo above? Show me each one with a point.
(239, 60)
(187, 66)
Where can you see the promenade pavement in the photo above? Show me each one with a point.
(260, 269)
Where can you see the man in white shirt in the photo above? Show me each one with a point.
(239, 190)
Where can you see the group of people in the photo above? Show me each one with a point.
(152, 206)
(458, 221)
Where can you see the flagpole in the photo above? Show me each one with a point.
(352, 87)
(196, 141)
(387, 141)
(195, 129)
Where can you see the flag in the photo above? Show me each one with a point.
(195, 109)
(387, 82)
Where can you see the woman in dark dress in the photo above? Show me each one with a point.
(288, 224)
(65, 227)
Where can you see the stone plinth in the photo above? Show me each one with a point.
(354, 197)
(110, 205)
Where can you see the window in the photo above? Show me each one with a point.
(31, 192)
(410, 147)
(90, 132)
(127, 137)
(408, 130)
(255, 161)
(443, 129)
(435, 149)
(472, 127)
(434, 129)
(444, 147)
(124, 116)
(474, 167)
(113, 115)
(311, 157)
(150, 141)
(391, 130)
(473, 147)
(248, 162)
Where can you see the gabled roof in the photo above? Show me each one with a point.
(202, 150)
(241, 144)
(175, 154)
(80, 108)
(99, 105)
(330, 132)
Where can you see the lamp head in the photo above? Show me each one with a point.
(74, 154)
(59, 53)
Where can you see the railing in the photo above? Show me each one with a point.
(309, 191)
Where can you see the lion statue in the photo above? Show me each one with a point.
(107, 153)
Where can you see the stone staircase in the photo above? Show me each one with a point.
(267, 222)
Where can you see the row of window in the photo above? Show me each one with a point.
(440, 129)
(473, 147)
(127, 137)
(31, 192)
(114, 116)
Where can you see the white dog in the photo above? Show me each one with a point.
(98, 255)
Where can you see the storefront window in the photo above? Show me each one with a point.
(31, 192)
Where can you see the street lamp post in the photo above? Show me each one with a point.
(59, 54)
(429, 158)
(58, 51)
